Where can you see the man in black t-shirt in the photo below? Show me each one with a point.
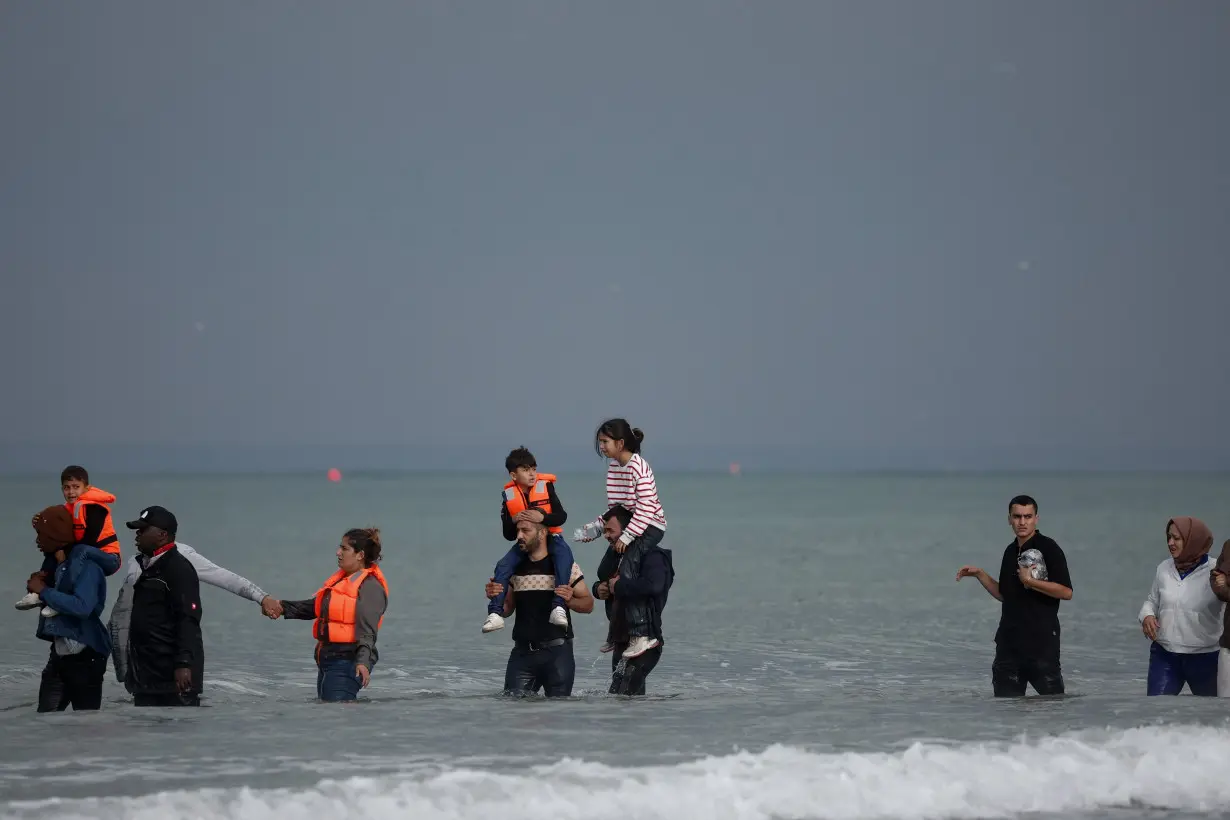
(541, 657)
(1027, 641)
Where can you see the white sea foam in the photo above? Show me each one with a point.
(1176, 768)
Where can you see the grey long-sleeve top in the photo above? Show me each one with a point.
(207, 571)
(368, 610)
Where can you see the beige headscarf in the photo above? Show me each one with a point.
(1197, 541)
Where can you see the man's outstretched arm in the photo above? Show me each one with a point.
(988, 583)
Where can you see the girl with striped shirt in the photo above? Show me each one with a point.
(629, 482)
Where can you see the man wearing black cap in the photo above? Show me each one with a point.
(166, 656)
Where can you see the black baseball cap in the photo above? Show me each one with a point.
(159, 517)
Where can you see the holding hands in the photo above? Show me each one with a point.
(271, 608)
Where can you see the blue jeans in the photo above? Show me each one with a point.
(552, 668)
(1168, 671)
(561, 555)
(336, 680)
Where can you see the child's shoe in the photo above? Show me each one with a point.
(606, 647)
(493, 623)
(30, 601)
(640, 646)
(48, 612)
(558, 617)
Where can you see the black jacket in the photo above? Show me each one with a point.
(164, 633)
(655, 581)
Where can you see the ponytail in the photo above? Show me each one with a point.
(366, 541)
(620, 430)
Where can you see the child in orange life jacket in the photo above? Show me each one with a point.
(91, 526)
(530, 495)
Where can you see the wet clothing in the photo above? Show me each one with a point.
(550, 667)
(164, 630)
(542, 656)
(653, 587)
(1028, 639)
(207, 573)
(369, 609)
(1189, 616)
(72, 680)
(628, 674)
(1029, 620)
(337, 680)
(144, 699)
(1010, 672)
(1168, 671)
(562, 561)
(1223, 673)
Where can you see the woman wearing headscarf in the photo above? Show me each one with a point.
(1182, 616)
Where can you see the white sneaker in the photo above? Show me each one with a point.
(640, 646)
(493, 623)
(30, 601)
(48, 612)
(558, 617)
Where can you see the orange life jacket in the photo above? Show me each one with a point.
(108, 541)
(335, 605)
(516, 499)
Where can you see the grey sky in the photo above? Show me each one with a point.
(899, 234)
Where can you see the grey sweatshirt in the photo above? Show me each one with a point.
(207, 571)
(368, 610)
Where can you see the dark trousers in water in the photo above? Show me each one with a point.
(158, 699)
(1168, 671)
(1012, 670)
(337, 680)
(561, 559)
(628, 674)
(635, 611)
(549, 666)
(72, 680)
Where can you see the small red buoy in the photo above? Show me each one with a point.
(334, 474)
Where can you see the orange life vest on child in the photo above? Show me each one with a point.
(108, 541)
(516, 499)
(335, 605)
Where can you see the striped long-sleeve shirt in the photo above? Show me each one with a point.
(633, 486)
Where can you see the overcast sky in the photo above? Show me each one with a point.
(875, 233)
